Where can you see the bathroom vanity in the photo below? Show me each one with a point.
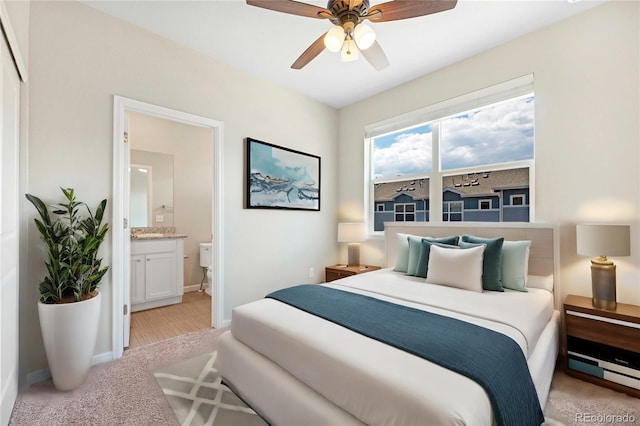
(157, 271)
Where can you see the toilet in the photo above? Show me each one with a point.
(205, 262)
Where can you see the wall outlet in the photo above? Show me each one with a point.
(159, 218)
(312, 272)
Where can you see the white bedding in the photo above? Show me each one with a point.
(379, 384)
(522, 316)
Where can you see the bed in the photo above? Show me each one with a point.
(296, 368)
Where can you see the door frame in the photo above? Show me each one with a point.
(13, 73)
(120, 267)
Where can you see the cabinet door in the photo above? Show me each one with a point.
(137, 278)
(160, 271)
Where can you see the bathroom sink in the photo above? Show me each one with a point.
(149, 235)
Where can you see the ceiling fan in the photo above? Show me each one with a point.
(350, 34)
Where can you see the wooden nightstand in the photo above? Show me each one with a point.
(602, 346)
(336, 272)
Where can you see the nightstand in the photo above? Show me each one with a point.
(336, 272)
(602, 346)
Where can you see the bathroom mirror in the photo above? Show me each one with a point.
(151, 189)
(140, 194)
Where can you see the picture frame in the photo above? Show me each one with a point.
(280, 178)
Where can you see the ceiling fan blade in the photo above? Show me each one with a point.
(403, 9)
(291, 7)
(375, 56)
(308, 55)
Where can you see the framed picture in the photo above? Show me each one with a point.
(281, 178)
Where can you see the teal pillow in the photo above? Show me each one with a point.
(515, 264)
(423, 262)
(415, 245)
(466, 245)
(492, 262)
(402, 257)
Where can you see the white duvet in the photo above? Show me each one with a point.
(377, 383)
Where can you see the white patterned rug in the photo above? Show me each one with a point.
(197, 396)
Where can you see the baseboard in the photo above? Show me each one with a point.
(44, 374)
(194, 287)
(38, 376)
(103, 357)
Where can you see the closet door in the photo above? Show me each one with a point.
(9, 204)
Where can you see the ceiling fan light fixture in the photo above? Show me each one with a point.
(334, 39)
(349, 51)
(364, 36)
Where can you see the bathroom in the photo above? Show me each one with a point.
(170, 205)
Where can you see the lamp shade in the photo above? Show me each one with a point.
(364, 36)
(351, 232)
(334, 39)
(603, 240)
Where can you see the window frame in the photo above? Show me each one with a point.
(404, 212)
(486, 200)
(448, 212)
(518, 196)
(513, 89)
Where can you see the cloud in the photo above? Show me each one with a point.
(409, 154)
(497, 134)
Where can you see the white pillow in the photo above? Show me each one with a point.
(538, 281)
(515, 264)
(456, 268)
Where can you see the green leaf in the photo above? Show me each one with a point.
(72, 239)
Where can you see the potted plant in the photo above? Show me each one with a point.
(69, 305)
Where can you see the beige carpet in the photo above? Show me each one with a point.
(125, 392)
(122, 392)
(574, 402)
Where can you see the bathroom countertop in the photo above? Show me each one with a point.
(155, 236)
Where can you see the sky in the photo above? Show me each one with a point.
(498, 133)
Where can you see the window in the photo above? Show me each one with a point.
(476, 151)
(405, 212)
(517, 200)
(452, 211)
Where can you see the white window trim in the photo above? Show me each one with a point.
(449, 212)
(514, 196)
(486, 200)
(496, 93)
(454, 106)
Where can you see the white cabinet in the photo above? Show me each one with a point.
(156, 273)
(137, 278)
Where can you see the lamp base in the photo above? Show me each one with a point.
(353, 253)
(603, 284)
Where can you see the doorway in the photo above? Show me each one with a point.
(122, 222)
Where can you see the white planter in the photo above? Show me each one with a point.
(69, 332)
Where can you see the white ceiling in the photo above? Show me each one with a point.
(266, 43)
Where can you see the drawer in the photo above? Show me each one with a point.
(335, 275)
(153, 246)
(598, 329)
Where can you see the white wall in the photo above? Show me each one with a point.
(192, 174)
(587, 73)
(80, 58)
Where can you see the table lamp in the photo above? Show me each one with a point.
(603, 240)
(353, 234)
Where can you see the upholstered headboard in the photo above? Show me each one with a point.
(543, 252)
